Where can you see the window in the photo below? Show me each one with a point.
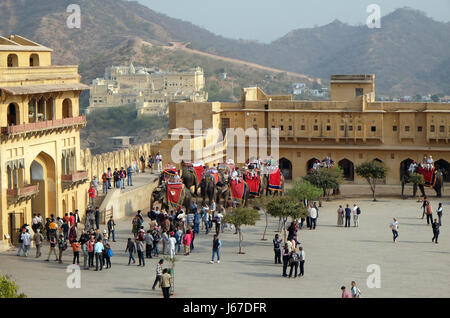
(394, 128)
(302, 127)
(342, 127)
(441, 129)
(419, 128)
(290, 127)
(359, 91)
(316, 127)
(350, 128)
(328, 127)
(407, 128)
(432, 128)
(359, 128)
(373, 129)
(282, 128)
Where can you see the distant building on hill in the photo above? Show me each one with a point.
(148, 89)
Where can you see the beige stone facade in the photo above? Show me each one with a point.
(351, 128)
(149, 90)
(40, 136)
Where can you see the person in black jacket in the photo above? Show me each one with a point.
(277, 249)
(286, 255)
(436, 231)
(131, 248)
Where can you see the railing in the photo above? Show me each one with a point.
(44, 125)
(23, 192)
(74, 177)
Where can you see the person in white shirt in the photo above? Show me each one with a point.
(302, 259)
(172, 243)
(439, 213)
(412, 167)
(26, 241)
(313, 216)
(158, 160)
(355, 290)
(355, 215)
(394, 228)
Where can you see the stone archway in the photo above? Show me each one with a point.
(286, 168)
(34, 60)
(310, 164)
(444, 166)
(42, 172)
(67, 110)
(348, 169)
(12, 60)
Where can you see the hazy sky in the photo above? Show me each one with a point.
(266, 20)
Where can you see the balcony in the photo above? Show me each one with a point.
(44, 126)
(70, 180)
(22, 194)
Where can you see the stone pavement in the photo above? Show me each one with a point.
(414, 267)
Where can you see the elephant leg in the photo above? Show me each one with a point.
(422, 190)
(403, 188)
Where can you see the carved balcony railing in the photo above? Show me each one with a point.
(24, 193)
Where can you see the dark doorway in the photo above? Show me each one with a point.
(404, 166)
(443, 166)
(286, 168)
(348, 169)
(310, 164)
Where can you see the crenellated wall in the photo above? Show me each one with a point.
(97, 164)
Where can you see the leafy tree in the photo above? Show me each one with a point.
(8, 288)
(372, 171)
(304, 190)
(326, 179)
(239, 217)
(285, 207)
(417, 178)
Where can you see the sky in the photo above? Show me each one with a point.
(267, 20)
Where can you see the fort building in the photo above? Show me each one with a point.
(351, 127)
(148, 89)
(40, 136)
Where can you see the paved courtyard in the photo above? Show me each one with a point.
(414, 267)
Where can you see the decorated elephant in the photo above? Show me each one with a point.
(223, 188)
(168, 200)
(189, 177)
(208, 188)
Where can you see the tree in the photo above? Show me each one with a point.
(372, 171)
(285, 207)
(326, 179)
(304, 190)
(416, 179)
(8, 288)
(239, 217)
(261, 204)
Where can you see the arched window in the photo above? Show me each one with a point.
(404, 166)
(286, 168)
(443, 166)
(67, 108)
(13, 114)
(34, 60)
(310, 164)
(13, 60)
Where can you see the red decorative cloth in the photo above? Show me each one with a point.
(175, 194)
(275, 180)
(199, 172)
(238, 189)
(253, 182)
(429, 175)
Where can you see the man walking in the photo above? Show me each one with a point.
(348, 215)
(111, 229)
(158, 161)
(216, 249)
(129, 176)
(26, 241)
(302, 261)
(52, 247)
(313, 216)
(38, 238)
(166, 282)
(436, 231)
(394, 227)
(429, 213)
(159, 271)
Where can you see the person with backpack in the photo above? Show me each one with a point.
(356, 213)
(131, 248)
(293, 262)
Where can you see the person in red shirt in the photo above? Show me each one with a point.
(71, 219)
(91, 192)
(76, 252)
